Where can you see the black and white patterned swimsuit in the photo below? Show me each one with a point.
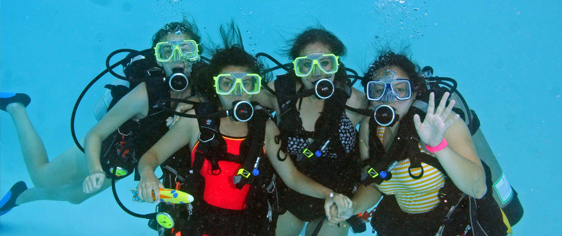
(348, 133)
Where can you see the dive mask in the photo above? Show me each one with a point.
(176, 50)
(227, 83)
(389, 88)
(327, 63)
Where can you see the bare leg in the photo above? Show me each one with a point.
(71, 193)
(69, 167)
(32, 147)
(289, 225)
(327, 228)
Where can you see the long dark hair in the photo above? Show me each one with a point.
(328, 123)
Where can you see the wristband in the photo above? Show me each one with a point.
(437, 148)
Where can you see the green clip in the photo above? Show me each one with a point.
(308, 153)
(373, 173)
(244, 172)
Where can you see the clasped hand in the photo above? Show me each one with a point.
(337, 203)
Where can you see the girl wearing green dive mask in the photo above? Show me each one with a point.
(318, 134)
(74, 176)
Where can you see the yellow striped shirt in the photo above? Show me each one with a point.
(413, 195)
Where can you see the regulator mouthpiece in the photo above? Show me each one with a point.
(385, 115)
(178, 81)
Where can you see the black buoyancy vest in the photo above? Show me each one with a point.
(483, 215)
(290, 124)
(130, 141)
(345, 172)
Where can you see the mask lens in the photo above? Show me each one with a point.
(225, 84)
(250, 84)
(402, 89)
(328, 64)
(164, 51)
(188, 49)
(303, 66)
(375, 90)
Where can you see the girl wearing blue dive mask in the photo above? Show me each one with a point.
(424, 164)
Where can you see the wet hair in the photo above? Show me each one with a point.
(389, 58)
(231, 53)
(314, 35)
(186, 27)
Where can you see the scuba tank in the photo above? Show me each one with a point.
(118, 88)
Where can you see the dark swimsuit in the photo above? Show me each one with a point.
(331, 170)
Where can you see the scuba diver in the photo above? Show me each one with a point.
(114, 144)
(233, 146)
(421, 161)
(317, 132)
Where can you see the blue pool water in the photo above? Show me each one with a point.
(504, 54)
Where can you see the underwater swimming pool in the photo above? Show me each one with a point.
(504, 55)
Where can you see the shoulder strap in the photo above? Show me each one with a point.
(253, 153)
(285, 88)
(208, 136)
(157, 93)
(289, 117)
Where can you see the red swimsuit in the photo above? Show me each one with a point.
(220, 190)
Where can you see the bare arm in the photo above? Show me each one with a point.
(296, 180)
(177, 137)
(461, 162)
(287, 170)
(366, 196)
(459, 159)
(134, 104)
